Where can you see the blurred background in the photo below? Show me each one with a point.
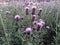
(26, 0)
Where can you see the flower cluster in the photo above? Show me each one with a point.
(36, 26)
(33, 10)
(39, 24)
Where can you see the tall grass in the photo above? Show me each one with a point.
(10, 36)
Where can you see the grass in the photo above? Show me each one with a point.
(9, 35)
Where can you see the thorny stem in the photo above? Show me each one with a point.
(4, 28)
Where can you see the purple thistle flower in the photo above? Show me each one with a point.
(34, 25)
(33, 10)
(33, 17)
(17, 17)
(47, 27)
(40, 10)
(42, 21)
(28, 30)
(27, 10)
(39, 26)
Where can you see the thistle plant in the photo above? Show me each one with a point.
(30, 25)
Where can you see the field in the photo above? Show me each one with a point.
(32, 24)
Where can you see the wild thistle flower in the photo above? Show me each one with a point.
(42, 21)
(47, 27)
(39, 26)
(34, 25)
(33, 17)
(17, 17)
(40, 10)
(28, 31)
(27, 10)
(33, 10)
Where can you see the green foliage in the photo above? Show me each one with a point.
(11, 35)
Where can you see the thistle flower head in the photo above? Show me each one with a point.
(47, 27)
(33, 10)
(40, 9)
(27, 10)
(42, 21)
(33, 17)
(39, 26)
(17, 17)
(28, 30)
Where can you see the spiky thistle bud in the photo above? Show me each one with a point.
(27, 10)
(33, 10)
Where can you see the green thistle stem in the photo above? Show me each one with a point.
(56, 28)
